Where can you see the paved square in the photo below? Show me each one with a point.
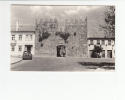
(57, 64)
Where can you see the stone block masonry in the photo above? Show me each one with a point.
(76, 45)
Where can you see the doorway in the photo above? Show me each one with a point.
(103, 54)
(109, 53)
(90, 52)
(29, 48)
(61, 51)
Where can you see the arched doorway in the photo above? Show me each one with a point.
(61, 51)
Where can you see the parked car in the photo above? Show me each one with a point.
(27, 55)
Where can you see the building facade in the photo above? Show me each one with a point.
(107, 44)
(55, 45)
(22, 39)
(45, 39)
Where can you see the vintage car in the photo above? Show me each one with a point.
(27, 55)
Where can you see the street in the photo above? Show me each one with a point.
(56, 64)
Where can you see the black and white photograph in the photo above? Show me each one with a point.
(66, 38)
(62, 50)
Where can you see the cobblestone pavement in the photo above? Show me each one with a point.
(57, 64)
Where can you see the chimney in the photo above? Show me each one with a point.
(17, 25)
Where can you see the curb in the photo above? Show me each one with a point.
(16, 62)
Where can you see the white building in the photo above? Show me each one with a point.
(22, 39)
(107, 43)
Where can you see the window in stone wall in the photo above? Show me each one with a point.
(74, 33)
(103, 42)
(91, 42)
(109, 42)
(98, 42)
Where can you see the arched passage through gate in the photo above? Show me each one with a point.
(61, 51)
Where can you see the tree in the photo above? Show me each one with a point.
(63, 35)
(109, 22)
(43, 36)
(96, 51)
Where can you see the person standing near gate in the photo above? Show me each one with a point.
(62, 52)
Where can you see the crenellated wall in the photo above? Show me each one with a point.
(78, 37)
(76, 45)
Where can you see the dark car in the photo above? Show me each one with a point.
(27, 55)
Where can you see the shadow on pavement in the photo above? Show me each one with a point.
(95, 65)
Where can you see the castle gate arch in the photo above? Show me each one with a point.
(61, 51)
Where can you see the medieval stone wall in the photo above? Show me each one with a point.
(46, 47)
(77, 41)
(77, 46)
(49, 46)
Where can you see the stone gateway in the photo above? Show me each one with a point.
(72, 42)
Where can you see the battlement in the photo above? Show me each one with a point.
(76, 22)
(47, 24)
(76, 45)
(76, 25)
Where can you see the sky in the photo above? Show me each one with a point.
(27, 14)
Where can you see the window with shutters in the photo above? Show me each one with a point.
(13, 37)
(29, 37)
(20, 37)
(91, 42)
(109, 42)
(98, 42)
(103, 42)
(12, 48)
(20, 48)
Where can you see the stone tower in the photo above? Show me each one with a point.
(77, 46)
(46, 47)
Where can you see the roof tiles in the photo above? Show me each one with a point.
(99, 34)
(23, 28)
